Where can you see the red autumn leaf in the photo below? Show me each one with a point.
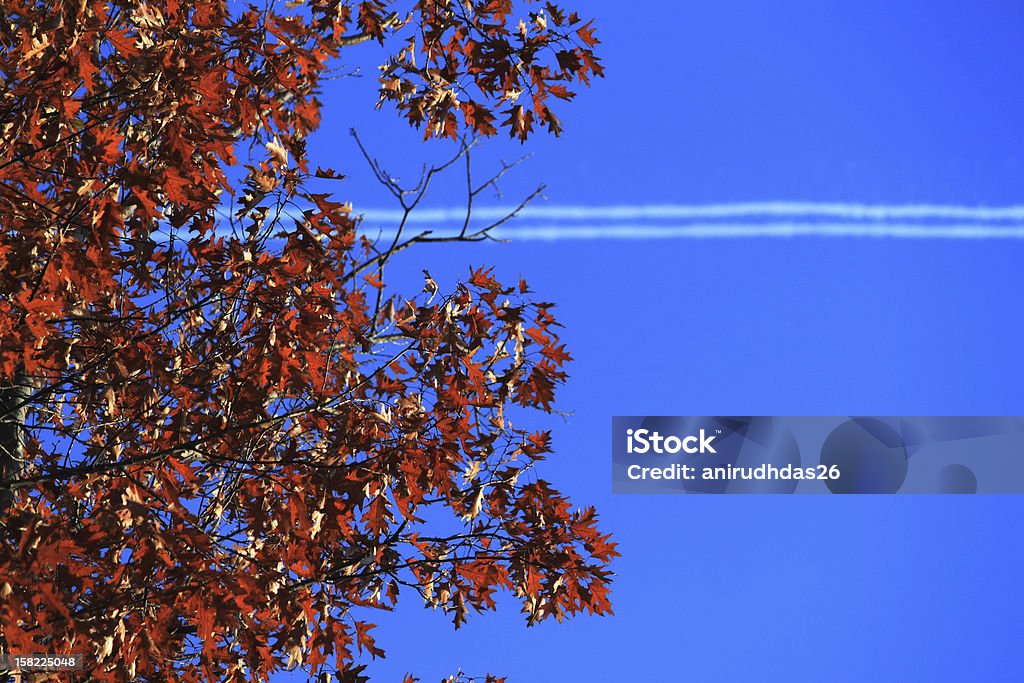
(377, 515)
(365, 641)
(586, 34)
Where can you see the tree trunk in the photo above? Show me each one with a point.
(14, 398)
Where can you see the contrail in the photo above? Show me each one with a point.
(753, 230)
(774, 209)
(776, 219)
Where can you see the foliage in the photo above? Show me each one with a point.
(222, 439)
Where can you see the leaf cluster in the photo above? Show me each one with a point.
(237, 442)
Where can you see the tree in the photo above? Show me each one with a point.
(223, 440)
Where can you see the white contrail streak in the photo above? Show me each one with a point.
(777, 219)
(774, 209)
(769, 230)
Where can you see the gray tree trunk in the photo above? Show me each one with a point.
(14, 398)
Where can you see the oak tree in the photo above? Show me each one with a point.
(224, 441)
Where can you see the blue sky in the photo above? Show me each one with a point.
(718, 102)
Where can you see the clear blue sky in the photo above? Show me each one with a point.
(874, 101)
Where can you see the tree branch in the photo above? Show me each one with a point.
(357, 38)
